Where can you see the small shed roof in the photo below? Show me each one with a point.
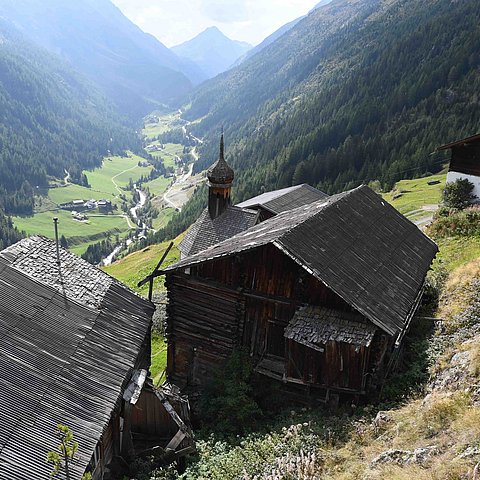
(461, 143)
(315, 326)
(66, 353)
(285, 199)
(206, 232)
(355, 243)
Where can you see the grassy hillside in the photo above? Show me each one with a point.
(138, 265)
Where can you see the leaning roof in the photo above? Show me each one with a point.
(66, 352)
(285, 199)
(206, 232)
(355, 243)
(314, 327)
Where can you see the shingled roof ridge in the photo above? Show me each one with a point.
(263, 226)
(324, 203)
(11, 256)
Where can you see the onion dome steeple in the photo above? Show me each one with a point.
(220, 177)
(220, 173)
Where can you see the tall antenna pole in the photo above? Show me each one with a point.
(55, 221)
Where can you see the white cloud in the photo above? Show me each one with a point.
(174, 21)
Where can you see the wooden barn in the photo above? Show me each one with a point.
(465, 161)
(75, 350)
(320, 296)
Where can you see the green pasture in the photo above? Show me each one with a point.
(158, 186)
(77, 233)
(414, 195)
(118, 169)
(163, 218)
(151, 130)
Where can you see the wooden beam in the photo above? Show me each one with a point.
(154, 273)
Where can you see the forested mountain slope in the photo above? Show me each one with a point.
(356, 91)
(277, 34)
(134, 68)
(51, 120)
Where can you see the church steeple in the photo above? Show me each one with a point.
(220, 178)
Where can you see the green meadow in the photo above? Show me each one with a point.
(107, 182)
(152, 130)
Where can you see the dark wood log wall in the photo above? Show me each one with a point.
(466, 159)
(247, 300)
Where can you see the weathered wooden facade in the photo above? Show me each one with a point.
(465, 161)
(319, 296)
(74, 350)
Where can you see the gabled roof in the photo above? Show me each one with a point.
(285, 199)
(206, 232)
(66, 353)
(461, 143)
(355, 243)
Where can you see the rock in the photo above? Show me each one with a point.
(381, 420)
(455, 375)
(405, 457)
(470, 452)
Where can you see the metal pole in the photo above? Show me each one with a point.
(55, 221)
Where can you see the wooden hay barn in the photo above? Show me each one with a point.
(320, 297)
(75, 350)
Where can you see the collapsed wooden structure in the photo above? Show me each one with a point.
(75, 350)
(320, 297)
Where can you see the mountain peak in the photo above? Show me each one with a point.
(212, 51)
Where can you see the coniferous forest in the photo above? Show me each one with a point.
(52, 121)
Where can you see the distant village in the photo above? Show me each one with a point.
(78, 207)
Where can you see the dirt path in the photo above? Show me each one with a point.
(119, 190)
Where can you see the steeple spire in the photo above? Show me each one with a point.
(220, 178)
(222, 147)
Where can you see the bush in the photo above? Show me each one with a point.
(457, 223)
(458, 194)
(228, 405)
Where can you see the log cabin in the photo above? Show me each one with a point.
(465, 161)
(75, 350)
(320, 296)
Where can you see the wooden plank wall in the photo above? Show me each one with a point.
(150, 418)
(247, 300)
(466, 159)
(203, 327)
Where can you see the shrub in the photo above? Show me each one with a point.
(228, 405)
(457, 223)
(458, 194)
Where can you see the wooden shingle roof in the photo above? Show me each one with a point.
(356, 244)
(285, 199)
(206, 231)
(314, 327)
(461, 143)
(66, 353)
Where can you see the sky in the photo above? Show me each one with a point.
(175, 21)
